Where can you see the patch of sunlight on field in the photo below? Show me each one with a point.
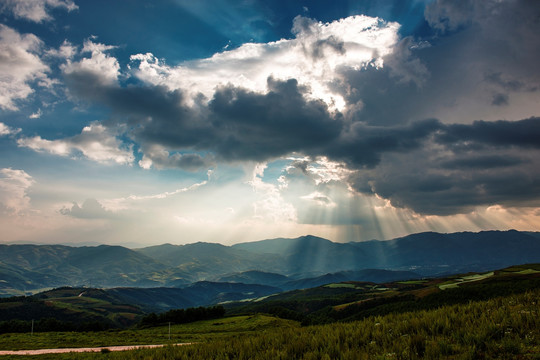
(340, 285)
(527, 272)
(412, 282)
(465, 279)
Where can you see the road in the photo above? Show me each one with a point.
(78, 350)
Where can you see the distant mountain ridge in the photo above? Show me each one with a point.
(283, 263)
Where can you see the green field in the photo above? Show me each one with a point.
(493, 315)
(193, 332)
(465, 279)
(412, 282)
(501, 328)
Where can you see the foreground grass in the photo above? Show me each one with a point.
(501, 328)
(194, 332)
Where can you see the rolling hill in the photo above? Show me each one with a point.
(284, 263)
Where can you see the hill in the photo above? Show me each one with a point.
(352, 300)
(284, 263)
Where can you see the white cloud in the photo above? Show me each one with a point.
(13, 187)
(320, 170)
(102, 67)
(36, 10)
(314, 58)
(126, 202)
(35, 115)
(95, 142)
(320, 199)
(65, 51)
(6, 130)
(20, 65)
(270, 205)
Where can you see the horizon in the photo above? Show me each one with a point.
(181, 122)
(141, 246)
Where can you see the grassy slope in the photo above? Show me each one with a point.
(65, 304)
(354, 301)
(501, 328)
(194, 332)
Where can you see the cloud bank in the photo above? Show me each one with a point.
(438, 125)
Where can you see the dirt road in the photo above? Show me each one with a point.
(94, 349)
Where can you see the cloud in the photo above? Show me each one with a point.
(269, 205)
(522, 134)
(462, 167)
(320, 199)
(95, 142)
(20, 66)
(99, 67)
(160, 158)
(448, 15)
(65, 51)
(14, 185)
(313, 58)
(36, 10)
(500, 99)
(389, 118)
(364, 145)
(6, 130)
(254, 126)
(35, 115)
(90, 209)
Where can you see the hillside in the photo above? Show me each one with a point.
(294, 263)
(474, 315)
(352, 300)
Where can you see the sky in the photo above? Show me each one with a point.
(139, 123)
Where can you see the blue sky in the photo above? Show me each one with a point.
(137, 123)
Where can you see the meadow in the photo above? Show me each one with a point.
(506, 327)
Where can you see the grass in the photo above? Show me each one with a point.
(193, 332)
(501, 328)
(465, 279)
(527, 272)
(341, 285)
(412, 282)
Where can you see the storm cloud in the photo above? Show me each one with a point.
(405, 129)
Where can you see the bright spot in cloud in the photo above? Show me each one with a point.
(314, 57)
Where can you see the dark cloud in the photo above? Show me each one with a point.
(449, 15)
(461, 167)
(482, 162)
(483, 52)
(364, 145)
(427, 166)
(500, 99)
(510, 85)
(252, 126)
(523, 133)
(421, 181)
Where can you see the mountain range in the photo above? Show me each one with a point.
(280, 263)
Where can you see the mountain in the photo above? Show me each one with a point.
(427, 253)
(202, 260)
(433, 253)
(282, 263)
(311, 254)
(27, 267)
